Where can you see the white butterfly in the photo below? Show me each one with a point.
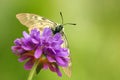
(35, 21)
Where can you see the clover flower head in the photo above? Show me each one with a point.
(45, 47)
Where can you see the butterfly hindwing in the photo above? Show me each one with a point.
(67, 70)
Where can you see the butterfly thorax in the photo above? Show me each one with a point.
(57, 29)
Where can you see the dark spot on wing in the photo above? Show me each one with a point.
(43, 18)
(35, 17)
(41, 23)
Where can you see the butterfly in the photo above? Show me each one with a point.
(35, 21)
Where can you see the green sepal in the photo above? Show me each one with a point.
(39, 67)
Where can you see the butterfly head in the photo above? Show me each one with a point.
(58, 29)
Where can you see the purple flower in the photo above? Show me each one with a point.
(44, 47)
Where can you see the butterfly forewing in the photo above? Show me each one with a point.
(35, 21)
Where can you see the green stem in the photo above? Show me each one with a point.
(33, 70)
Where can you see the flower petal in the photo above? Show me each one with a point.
(26, 35)
(38, 53)
(50, 51)
(62, 52)
(52, 68)
(23, 58)
(29, 64)
(57, 36)
(17, 50)
(47, 32)
(35, 34)
(35, 41)
(50, 59)
(45, 66)
(58, 72)
(60, 61)
(18, 42)
(26, 47)
(55, 68)
(28, 44)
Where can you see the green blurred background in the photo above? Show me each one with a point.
(94, 42)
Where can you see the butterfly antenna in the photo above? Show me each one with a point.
(63, 21)
(69, 24)
(61, 17)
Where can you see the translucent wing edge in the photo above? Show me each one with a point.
(67, 70)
